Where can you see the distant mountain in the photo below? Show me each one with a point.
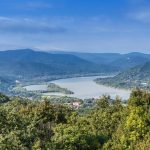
(138, 76)
(28, 63)
(119, 62)
(130, 60)
(98, 58)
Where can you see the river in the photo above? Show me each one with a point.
(84, 87)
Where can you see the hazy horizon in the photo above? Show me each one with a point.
(82, 26)
(65, 51)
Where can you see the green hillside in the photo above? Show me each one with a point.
(28, 63)
(138, 76)
(119, 62)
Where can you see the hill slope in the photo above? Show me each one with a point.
(119, 62)
(130, 60)
(29, 63)
(138, 76)
(98, 58)
(5, 83)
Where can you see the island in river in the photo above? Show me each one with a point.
(83, 88)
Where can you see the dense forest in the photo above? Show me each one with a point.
(109, 125)
(27, 64)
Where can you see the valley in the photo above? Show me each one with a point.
(72, 76)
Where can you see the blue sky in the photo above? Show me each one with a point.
(76, 25)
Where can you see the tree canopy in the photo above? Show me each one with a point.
(38, 125)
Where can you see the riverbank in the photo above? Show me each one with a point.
(85, 87)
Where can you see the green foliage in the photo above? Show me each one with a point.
(135, 128)
(29, 123)
(32, 125)
(76, 134)
(3, 98)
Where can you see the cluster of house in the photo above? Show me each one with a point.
(74, 105)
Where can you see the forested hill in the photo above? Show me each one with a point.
(127, 61)
(138, 76)
(30, 63)
(118, 61)
(27, 63)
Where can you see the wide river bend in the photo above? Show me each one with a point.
(84, 87)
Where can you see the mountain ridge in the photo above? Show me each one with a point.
(118, 61)
(28, 62)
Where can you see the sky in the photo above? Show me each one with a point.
(76, 25)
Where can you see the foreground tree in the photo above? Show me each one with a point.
(134, 131)
(33, 125)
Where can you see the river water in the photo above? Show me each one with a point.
(83, 87)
